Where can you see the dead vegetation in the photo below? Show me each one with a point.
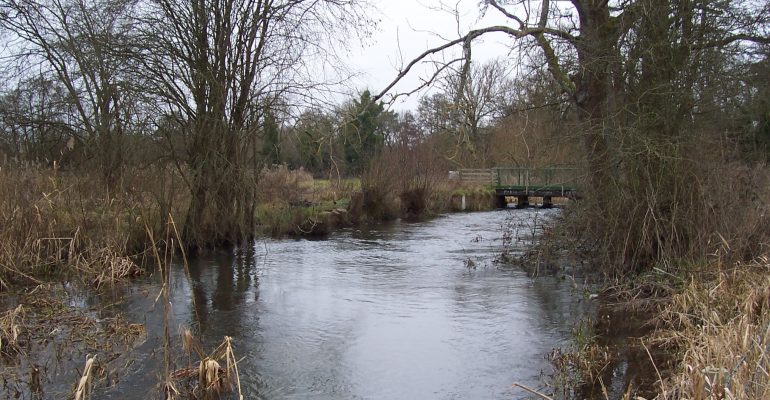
(294, 203)
(685, 262)
(10, 329)
(701, 332)
(217, 373)
(581, 367)
(214, 375)
(55, 225)
(44, 338)
(83, 390)
(668, 210)
(720, 323)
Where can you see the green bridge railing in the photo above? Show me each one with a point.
(535, 179)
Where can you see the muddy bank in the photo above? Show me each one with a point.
(308, 219)
(635, 364)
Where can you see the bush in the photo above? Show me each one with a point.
(675, 201)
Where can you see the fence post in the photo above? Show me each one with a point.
(526, 176)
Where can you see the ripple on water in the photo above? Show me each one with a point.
(386, 312)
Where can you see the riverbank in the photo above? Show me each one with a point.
(309, 318)
(295, 204)
(58, 225)
(697, 332)
(62, 231)
(696, 329)
(683, 329)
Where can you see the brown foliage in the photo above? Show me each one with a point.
(279, 184)
(720, 324)
(54, 224)
(675, 201)
(403, 181)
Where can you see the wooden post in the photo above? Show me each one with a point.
(522, 201)
(502, 202)
(547, 202)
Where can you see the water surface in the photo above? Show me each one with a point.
(397, 311)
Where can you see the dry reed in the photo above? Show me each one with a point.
(54, 225)
(215, 373)
(10, 331)
(83, 390)
(209, 379)
(721, 324)
(279, 184)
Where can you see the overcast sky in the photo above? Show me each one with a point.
(408, 28)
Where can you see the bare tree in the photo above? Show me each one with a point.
(592, 47)
(33, 122)
(216, 63)
(83, 45)
(635, 73)
(478, 99)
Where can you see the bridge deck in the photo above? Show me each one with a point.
(523, 183)
(538, 191)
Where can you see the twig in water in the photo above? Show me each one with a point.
(533, 391)
(660, 378)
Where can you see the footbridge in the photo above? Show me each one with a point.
(520, 184)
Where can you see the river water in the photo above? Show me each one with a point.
(396, 311)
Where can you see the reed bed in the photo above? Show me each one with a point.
(720, 322)
(55, 225)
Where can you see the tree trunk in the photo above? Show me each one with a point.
(217, 212)
(594, 91)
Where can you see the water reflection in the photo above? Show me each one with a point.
(381, 313)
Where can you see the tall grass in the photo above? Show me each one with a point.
(54, 224)
(720, 323)
(279, 184)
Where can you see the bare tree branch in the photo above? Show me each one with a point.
(466, 42)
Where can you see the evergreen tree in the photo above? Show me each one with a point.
(363, 136)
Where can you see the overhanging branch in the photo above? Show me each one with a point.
(466, 41)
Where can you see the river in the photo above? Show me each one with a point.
(393, 311)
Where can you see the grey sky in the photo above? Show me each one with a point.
(408, 28)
